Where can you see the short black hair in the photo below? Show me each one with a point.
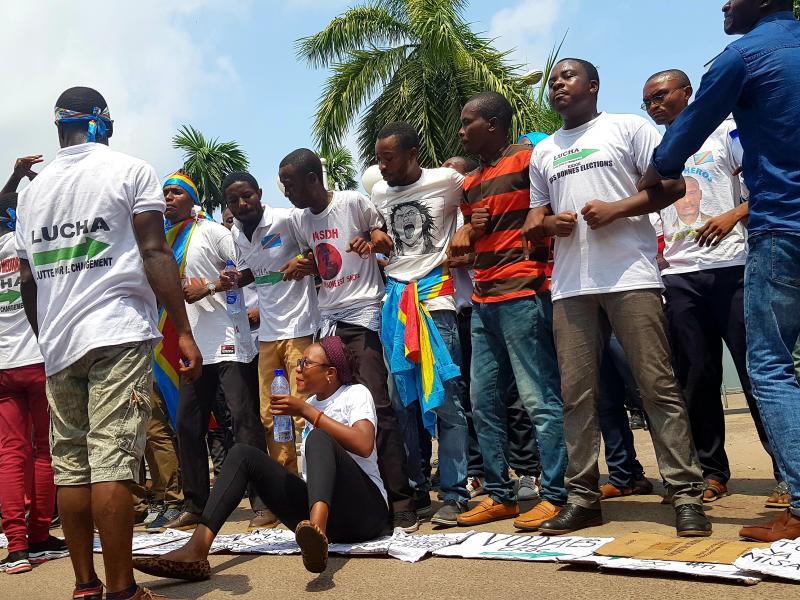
(407, 136)
(591, 70)
(238, 176)
(7, 201)
(493, 105)
(785, 4)
(680, 76)
(303, 160)
(84, 100)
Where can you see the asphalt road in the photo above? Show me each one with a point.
(366, 578)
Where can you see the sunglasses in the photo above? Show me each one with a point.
(302, 363)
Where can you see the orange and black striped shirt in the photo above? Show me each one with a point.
(501, 271)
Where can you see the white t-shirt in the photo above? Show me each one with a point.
(219, 336)
(18, 347)
(421, 220)
(348, 281)
(288, 308)
(348, 405)
(75, 228)
(711, 189)
(602, 159)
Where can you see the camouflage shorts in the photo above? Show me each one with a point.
(99, 409)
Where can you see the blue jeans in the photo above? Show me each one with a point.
(616, 384)
(513, 340)
(772, 318)
(450, 421)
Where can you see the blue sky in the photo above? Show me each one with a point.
(229, 68)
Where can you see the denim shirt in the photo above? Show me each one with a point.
(757, 78)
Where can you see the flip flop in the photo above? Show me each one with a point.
(313, 546)
(714, 491)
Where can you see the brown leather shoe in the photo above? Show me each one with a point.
(185, 521)
(784, 527)
(609, 490)
(540, 513)
(486, 512)
(263, 519)
(198, 570)
(714, 491)
(779, 497)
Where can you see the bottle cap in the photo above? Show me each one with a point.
(278, 372)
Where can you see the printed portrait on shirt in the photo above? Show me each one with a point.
(412, 228)
(329, 261)
(686, 215)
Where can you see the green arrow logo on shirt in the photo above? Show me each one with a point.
(573, 156)
(88, 248)
(270, 278)
(10, 296)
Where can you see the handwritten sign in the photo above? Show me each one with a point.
(697, 569)
(524, 547)
(781, 559)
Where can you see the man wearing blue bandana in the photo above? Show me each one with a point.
(93, 260)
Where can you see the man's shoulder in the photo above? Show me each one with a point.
(627, 120)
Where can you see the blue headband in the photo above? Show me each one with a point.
(186, 183)
(98, 121)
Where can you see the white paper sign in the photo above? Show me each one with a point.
(374, 547)
(265, 541)
(717, 570)
(3, 541)
(782, 559)
(524, 547)
(145, 541)
(411, 548)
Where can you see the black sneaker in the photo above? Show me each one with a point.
(447, 515)
(691, 521)
(15, 563)
(406, 520)
(637, 420)
(50, 549)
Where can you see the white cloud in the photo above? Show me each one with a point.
(529, 28)
(145, 57)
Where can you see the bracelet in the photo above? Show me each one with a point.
(316, 419)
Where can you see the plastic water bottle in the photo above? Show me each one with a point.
(234, 300)
(282, 425)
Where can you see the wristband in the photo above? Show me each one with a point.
(316, 419)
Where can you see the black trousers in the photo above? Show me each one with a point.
(372, 374)
(704, 309)
(357, 511)
(239, 384)
(523, 452)
(220, 440)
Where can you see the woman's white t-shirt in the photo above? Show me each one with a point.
(18, 347)
(600, 160)
(348, 405)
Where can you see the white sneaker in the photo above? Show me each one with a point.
(474, 486)
(527, 488)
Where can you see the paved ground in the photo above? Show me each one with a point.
(366, 578)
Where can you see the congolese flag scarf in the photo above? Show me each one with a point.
(167, 357)
(417, 355)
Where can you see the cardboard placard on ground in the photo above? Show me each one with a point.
(781, 559)
(145, 541)
(524, 547)
(3, 541)
(649, 546)
(715, 570)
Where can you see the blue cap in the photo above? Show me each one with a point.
(278, 372)
(534, 137)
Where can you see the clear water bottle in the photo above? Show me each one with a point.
(282, 425)
(234, 299)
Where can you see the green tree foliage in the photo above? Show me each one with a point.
(341, 170)
(415, 61)
(207, 162)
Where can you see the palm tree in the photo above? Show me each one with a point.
(797, 9)
(341, 171)
(409, 60)
(207, 162)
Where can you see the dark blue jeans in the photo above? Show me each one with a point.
(616, 385)
(513, 340)
(772, 318)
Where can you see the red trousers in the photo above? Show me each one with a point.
(25, 469)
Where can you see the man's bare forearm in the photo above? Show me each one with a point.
(652, 199)
(29, 295)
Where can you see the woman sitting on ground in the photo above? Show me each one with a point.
(340, 497)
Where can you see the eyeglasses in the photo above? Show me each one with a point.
(302, 363)
(658, 98)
